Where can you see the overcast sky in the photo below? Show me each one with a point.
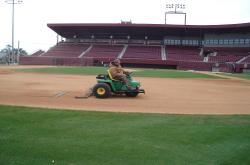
(32, 16)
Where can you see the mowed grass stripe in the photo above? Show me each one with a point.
(239, 75)
(162, 73)
(67, 70)
(40, 136)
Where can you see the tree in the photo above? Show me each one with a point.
(13, 57)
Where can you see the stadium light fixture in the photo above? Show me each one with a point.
(176, 9)
(13, 3)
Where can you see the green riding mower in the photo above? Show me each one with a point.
(107, 86)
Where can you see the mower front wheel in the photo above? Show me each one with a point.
(102, 90)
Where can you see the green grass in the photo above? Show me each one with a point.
(170, 74)
(39, 136)
(239, 75)
(67, 70)
(163, 73)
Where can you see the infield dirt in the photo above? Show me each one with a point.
(163, 95)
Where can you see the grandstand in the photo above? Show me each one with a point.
(37, 53)
(187, 47)
(143, 52)
(66, 50)
(104, 51)
(183, 53)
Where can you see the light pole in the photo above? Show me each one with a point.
(175, 11)
(13, 3)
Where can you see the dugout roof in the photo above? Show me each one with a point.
(139, 31)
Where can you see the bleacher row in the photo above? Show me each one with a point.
(172, 57)
(172, 53)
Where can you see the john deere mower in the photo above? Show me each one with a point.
(107, 86)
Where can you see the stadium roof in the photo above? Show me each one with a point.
(139, 31)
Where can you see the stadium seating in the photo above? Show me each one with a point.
(227, 54)
(37, 53)
(246, 60)
(30, 60)
(178, 57)
(104, 51)
(223, 51)
(66, 50)
(183, 53)
(143, 52)
(224, 58)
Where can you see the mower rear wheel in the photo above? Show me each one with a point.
(101, 90)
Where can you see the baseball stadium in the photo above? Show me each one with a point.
(190, 103)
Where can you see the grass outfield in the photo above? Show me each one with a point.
(45, 136)
(163, 73)
(240, 75)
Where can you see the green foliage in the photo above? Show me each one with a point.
(8, 50)
(46, 136)
(102, 70)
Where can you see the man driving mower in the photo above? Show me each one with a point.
(118, 73)
(117, 81)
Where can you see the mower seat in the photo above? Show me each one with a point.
(110, 76)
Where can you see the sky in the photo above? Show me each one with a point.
(32, 16)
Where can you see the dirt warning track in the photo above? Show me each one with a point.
(178, 96)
